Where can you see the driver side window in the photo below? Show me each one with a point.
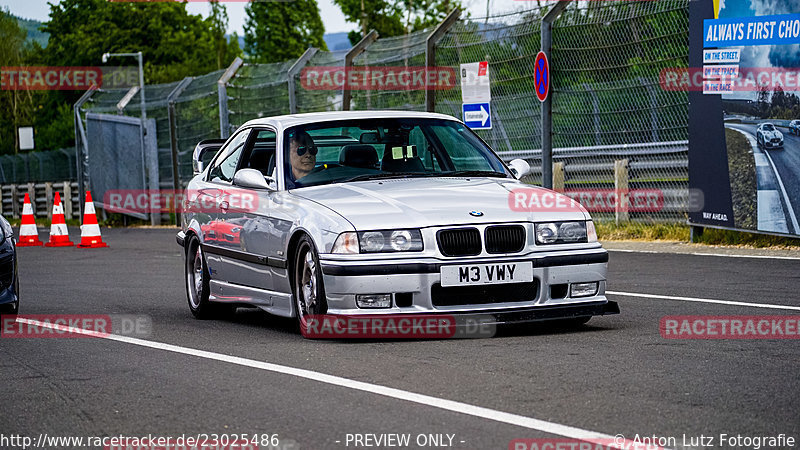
(225, 168)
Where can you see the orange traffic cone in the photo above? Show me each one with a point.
(90, 230)
(28, 234)
(59, 236)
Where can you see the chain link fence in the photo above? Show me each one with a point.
(613, 124)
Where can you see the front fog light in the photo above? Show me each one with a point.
(374, 300)
(583, 289)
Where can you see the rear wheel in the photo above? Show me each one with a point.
(308, 287)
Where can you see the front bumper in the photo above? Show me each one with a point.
(770, 144)
(418, 281)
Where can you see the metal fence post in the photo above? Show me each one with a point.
(293, 71)
(430, 53)
(547, 105)
(81, 146)
(173, 138)
(222, 92)
(598, 140)
(14, 201)
(348, 63)
(621, 191)
(653, 107)
(68, 200)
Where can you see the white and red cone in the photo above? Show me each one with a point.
(90, 230)
(59, 235)
(28, 233)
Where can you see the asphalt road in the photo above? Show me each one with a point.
(614, 375)
(787, 162)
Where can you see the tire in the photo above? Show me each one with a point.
(307, 283)
(197, 285)
(12, 308)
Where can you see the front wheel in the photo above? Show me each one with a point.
(197, 284)
(309, 290)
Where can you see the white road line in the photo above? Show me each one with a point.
(704, 254)
(426, 400)
(785, 195)
(705, 300)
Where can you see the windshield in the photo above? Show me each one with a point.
(768, 127)
(357, 150)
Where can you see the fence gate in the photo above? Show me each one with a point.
(120, 156)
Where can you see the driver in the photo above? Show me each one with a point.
(302, 157)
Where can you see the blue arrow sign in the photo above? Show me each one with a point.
(477, 116)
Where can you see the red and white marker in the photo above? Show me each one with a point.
(28, 233)
(90, 230)
(59, 235)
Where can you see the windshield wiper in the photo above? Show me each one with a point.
(378, 176)
(473, 173)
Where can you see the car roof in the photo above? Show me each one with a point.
(291, 120)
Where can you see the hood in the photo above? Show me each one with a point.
(772, 134)
(427, 202)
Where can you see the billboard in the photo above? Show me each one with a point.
(744, 114)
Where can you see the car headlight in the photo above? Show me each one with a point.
(379, 241)
(6, 229)
(563, 232)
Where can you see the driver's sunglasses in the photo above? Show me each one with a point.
(302, 149)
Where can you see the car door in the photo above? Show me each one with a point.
(248, 214)
(220, 239)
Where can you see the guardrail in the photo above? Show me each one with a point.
(12, 196)
(660, 165)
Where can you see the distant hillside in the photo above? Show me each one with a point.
(334, 41)
(337, 41)
(32, 27)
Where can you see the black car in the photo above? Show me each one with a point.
(9, 278)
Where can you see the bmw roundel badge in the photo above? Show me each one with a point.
(476, 213)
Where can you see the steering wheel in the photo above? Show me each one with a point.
(324, 167)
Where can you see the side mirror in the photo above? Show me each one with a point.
(251, 179)
(519, 168)
(202, 150)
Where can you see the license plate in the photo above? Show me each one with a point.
(495, 273)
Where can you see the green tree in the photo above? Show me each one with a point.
(16, 107)
(280, 31)
(175, 43)
(394, 17)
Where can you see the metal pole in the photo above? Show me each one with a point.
(348, 63)
(173, 139)
(293, 71)
(81, 146)
(141, 86)
(547, 105)
(222, 93)
(430, 53)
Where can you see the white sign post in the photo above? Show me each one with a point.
(476, 95)
(26, 138)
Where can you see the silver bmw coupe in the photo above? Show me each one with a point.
(382, 212)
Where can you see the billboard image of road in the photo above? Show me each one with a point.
(744, 132)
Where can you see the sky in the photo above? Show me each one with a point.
(332, 17)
